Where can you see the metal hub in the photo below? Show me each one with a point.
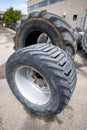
(32, 85)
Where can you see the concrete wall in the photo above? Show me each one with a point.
(67, 7)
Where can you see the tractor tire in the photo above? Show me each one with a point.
(68, 48)
(84, 43)
(43, 38)
(78, 38)
(42, 77)
(60, 33)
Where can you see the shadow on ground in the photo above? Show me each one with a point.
(44, 122)
(79, 65)
(44, 118)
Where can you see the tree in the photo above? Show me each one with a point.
(11, 15)
(1, 19)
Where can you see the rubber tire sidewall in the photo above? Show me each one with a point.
(38, 24)
(51, 107)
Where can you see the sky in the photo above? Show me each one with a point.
(16, 4)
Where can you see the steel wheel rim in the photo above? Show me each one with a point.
(30, 88)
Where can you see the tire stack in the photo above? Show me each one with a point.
(41, 73)
(54, 27)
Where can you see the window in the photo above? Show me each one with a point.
(42, 4)
(54, 1)
(75, 17)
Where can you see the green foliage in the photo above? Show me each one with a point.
(11, 15)
(1, 19)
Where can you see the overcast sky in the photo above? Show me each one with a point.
(17, 4)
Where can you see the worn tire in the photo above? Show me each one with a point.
(84, 43)
(64, 32)
(53, 64)
(78, 39)
(30, 30)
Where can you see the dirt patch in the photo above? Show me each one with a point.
(80, 60)
(45, 118)
(52, 118)
(82, 72)
(2, 71)
(78, 65)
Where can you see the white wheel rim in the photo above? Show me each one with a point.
(31, 87)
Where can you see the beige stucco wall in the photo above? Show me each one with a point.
(69, 7)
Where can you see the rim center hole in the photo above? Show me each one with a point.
(38, 79)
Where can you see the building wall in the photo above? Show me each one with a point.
(32, 2)
(67, 8)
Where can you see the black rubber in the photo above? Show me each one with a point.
(65, 33)
(30, 30)
(57, 68)
(84, 43)
(43, 38)
(78, 38)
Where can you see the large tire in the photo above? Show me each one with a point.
(49, 62)
(43, 38)
(78, 37)
(84, 43)
(58, 31)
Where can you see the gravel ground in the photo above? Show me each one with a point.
(14, 116)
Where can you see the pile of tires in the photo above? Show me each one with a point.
(41, 73)
(54, 28)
